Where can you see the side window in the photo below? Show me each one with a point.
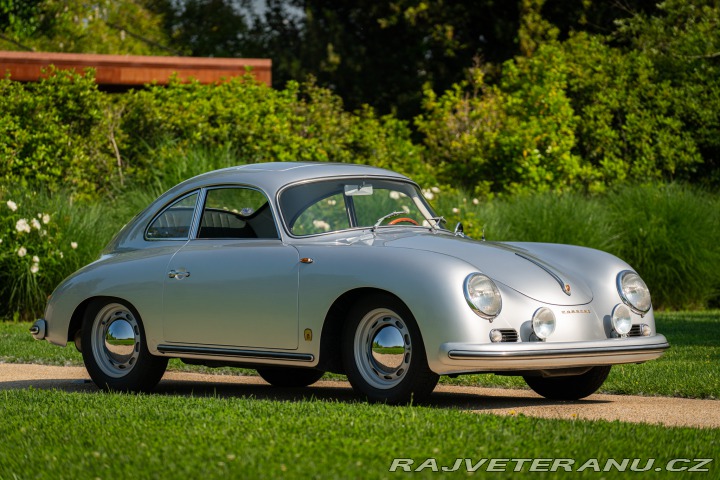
(327, 215)
(236, 213)
(174, 223)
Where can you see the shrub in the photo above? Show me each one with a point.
(55, 133)
(628, 128)
(256, 123)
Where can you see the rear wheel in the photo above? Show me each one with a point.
(383, 352)
(290, 377)
(572, 387)
(115, 351)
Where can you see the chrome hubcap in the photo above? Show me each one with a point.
(115, 340)
(383, 348)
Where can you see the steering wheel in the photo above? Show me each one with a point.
(403, 219)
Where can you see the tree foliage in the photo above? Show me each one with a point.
(101, 26)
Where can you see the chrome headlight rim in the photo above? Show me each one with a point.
(488, 315)
(621, 278)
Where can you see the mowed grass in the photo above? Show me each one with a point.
(59, 435)
(691, 368)
(51, 434)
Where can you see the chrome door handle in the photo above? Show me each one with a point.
(178, 275)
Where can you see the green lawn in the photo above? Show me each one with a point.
(691, 368)
(56, 434)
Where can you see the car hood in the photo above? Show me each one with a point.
(538, 278)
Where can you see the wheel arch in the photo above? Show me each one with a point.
(330, 338)
(78, 315)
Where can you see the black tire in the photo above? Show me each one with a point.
(290, 377)
(375, 366)
(573, 387)
(115, 351)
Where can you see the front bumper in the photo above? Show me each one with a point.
(523, 356)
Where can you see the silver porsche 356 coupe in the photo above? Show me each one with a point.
(296, 269)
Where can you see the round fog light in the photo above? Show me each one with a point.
(543, 322)
(621, 319)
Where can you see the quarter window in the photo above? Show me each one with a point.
(174, 223)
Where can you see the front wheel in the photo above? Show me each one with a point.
(572, 387)
(290, 377)
(115, 351)
(383, 352)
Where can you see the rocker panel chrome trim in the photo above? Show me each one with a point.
(232, 352)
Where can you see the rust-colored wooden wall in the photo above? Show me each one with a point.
(131, 70)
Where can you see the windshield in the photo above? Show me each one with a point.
(340, 204)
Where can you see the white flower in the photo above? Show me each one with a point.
(476, 201)
(0, 240)
(45, 218)
(22, 251)
(35, 224)
(73, 245)
(12, 205)
(435, 190)
(406, 209)
(395, 195)
(22, 225)
(321, 224)
(455, 210)
(428, 194)
(34, 268)
(36, 259)
(62, 255)
(332, 202)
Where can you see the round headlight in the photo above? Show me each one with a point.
(633, 291)
(621, 319)
(543, 322)
(482, 295)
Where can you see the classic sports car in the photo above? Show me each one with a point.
(296, 269)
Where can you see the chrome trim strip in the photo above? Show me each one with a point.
(560, 353)
(233, 352)
(550, 272)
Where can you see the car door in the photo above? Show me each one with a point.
(235, 283)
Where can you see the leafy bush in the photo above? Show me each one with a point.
(628, 128)
(580, 115)
(56, 133)
(255, 123)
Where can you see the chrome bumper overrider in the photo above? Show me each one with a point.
(39, 329)
(548, 355)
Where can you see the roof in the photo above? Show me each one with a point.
(272, 176)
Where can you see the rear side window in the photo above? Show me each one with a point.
(174, 223)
